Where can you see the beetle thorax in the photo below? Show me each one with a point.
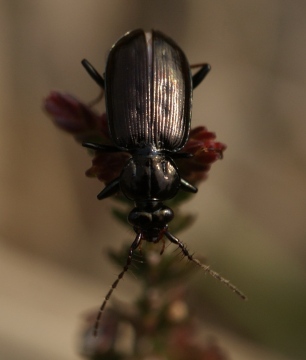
(149, 178)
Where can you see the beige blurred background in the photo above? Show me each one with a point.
(250, 213)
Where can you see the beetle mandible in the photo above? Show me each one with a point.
(148, 88)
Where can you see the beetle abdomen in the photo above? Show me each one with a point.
(148, 92)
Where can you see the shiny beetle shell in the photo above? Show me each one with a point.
(148, 92)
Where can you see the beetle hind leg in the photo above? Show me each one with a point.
(93, 73)
(199, 76)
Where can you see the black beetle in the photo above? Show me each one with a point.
(148, 87)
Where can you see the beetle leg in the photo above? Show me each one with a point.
(100, 147)
(93, 73)
(111, 189)
(206, 268)
(199, 76)
(186, 186)
(133, 247)
(178, 155)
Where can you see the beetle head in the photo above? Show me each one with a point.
(151, 221)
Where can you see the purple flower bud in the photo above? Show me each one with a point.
(76, 118)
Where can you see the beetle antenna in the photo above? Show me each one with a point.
(206, 268)
(133, 247)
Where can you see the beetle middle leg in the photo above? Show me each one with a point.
(111, 189)
(133, 247)
(206, 268)
(100, 147)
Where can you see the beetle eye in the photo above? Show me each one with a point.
(166, 214)
(139, 218)
(147, 219)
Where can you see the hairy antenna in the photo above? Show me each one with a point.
(186, 253)
(206, 268)
(133, 247)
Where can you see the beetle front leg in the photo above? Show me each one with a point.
(186, 186)
(111, 189)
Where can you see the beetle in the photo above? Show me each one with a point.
(148, 89)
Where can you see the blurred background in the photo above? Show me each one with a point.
(250, 212)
